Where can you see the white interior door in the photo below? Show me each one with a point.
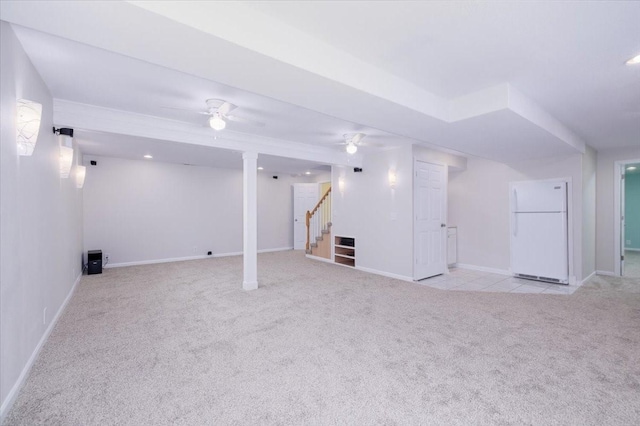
(430, 212)
(305, 197)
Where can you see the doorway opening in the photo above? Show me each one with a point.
(627, 218)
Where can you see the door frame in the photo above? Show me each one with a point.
(413, 213)
(618, 169)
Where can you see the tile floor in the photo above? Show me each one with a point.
(468, 280)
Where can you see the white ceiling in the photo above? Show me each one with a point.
(134, 148)
(398, 71)
(119, 82)
(566, 56)
(85, 74)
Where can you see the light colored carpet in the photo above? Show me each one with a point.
(181, 343)
(632, 264)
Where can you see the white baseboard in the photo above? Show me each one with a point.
(321, 259)
(591, 275)
(363, 269)
(275, 249)
(239, 253)
(385, 274)
(482, 269)
(606, 273)
(182, 259)
(13, 393)
(151, 262)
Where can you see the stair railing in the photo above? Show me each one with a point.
(318, 219)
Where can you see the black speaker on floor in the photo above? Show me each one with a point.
(94, 260)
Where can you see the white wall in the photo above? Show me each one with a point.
(605, 204)
(321, 177)
(40, 224)
(275, 211)
(364, 210)
(479, 207)
(589, 165)
(454, 162)
(141, 210)
(381, 218)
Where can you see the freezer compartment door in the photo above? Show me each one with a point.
(539, 196)
(539, 245)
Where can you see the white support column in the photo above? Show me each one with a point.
(250, 220)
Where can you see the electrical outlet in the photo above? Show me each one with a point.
(106, 258)
(44, 316)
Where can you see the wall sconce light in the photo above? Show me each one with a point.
(66, 150)
(341, 184)
(392, 178)
(29, 114)
(66, 161)
(81, 173)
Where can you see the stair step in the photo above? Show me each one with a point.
(314, 245)
(326, 231)
(308, 251)
(320, 238)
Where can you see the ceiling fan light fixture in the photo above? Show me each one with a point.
(216, 122)
(351, 148)
(633, 61)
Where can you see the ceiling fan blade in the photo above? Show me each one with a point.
(187, 110)
(372, 144)
(357, 138)
(226, 108)
(354, 138)
(244, 120)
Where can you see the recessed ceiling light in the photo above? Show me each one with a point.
(260, 168)
(307, 173)
(149, 156)
(631, 168)
(634, 60)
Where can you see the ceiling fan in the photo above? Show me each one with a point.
(219, 111)
(352, 141)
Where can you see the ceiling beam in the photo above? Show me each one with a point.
(309, 74)
(107, 120)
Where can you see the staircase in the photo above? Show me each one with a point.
(318, 221)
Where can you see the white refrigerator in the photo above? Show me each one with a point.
(539, 234)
